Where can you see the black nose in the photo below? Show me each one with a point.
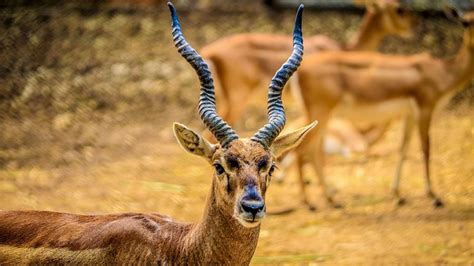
(252, 206)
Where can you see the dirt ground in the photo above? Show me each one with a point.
(139, 167)
(87, 101)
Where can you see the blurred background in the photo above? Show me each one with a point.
(89, 91)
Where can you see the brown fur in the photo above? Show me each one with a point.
(222, 236)
(125, 238)
(354, 81)
(227, 233)
(50, 237)
(135, 237)
(243, 63)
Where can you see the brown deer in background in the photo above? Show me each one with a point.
(227, 233)
(242, 62)
(372, 87)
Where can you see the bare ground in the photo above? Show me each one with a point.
(139, 167)
(87, 129)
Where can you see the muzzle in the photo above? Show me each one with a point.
(251, 205)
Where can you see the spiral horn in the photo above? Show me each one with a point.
(276, 112)
(207, 101)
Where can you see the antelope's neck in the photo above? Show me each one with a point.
(368, 36)
(461, 67)
(220, 238)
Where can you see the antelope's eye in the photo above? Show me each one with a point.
(262, 164)
(400, 10)
(232, 163)
(219, 169)
(272, 169)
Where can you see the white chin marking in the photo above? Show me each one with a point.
(248, 224)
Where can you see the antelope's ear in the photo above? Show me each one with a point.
(290, 140)
(193, 142)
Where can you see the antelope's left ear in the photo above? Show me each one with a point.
(290, 140)
(192, 142)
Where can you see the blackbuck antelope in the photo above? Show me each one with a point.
(227, 233)
(242, 62)
(373, 87)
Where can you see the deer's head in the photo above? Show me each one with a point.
(467, 21)
(242, 167)
(391, 18)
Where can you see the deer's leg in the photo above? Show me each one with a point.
(318, 162)
(285, 163)
(317, 156)
(407, 133)
(424, 126)
(375, 133)
(304, 196)
(305, 148)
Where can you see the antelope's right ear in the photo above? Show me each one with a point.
(290, 140)
(192, 142)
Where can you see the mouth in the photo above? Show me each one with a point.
(249, 219)
(249, 223)
(253, 220)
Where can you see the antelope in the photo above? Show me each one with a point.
(228, 231)
(241, 62)
(373, 87)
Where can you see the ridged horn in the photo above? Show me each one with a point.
(207, 101)
(276, 112)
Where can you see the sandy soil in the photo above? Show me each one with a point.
(139, 167)
(86, 128)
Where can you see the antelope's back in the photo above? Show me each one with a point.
(50, 237)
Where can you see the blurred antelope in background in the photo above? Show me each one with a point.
(227, 233)
(242, 62)
(373, 87)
